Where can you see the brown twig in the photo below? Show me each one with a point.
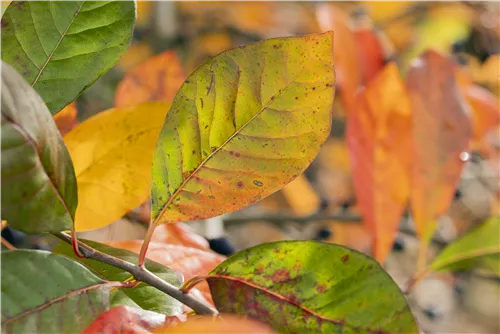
(141, 274)
(7, 244)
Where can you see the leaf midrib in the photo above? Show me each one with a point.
(49, 58)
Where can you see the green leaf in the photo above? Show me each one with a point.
(144, 295)
(63, 47)
(38, 181)
(48, 293)
(311, 287)
(242, 126)
(482, 243)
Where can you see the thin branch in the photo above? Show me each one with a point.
(284, 218)
(143, 275)
(7, 244)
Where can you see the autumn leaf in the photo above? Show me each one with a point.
(370, 51)
(156, 79)
(179, 234)
(441, 134)
(301, 196)
(379, 140)
(288, 286)
(66, 119)
(112, 154)
(242, 126)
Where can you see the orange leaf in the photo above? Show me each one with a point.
(66, 118)
(347, 69)
(130, 320)
(222, 324)
(441, 133)
(158, 78)
(179, 234)
(301, 196)
(370, 53)
(379, 140)
(190, 262)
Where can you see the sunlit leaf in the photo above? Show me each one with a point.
(190, 262)
(62, 47)
(242, 126)
(49, 293)
(38, 181)
(441, 133)
(481, 242)
(144, 295)
(112, 153)
(66, 119)
(179, 234)
(156, 79)
(311, 287)
(379, 139)
(301, 196)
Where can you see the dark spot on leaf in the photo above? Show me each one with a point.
(345, 258)
(321, 288)
(187, 81)
(258, 183)
(4, 23)
(237, 155)
(296, 97)
(213, 148)
(211, 197)
(314, 88)
(240, 184)
(231, 152)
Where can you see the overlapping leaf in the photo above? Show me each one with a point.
(156, 79)
(62, 47)
(66, 119)
(48, 293)
(144, 295)
(38, 181)
(179, 234)
(441, 133)
(311, 287)
(242, 126)
(379, 141)
(112, 154)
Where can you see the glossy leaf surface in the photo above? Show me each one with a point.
(156, 79)
(311, 287)
(441, 133)
(144, 295)
(41, 292)
(62, 47)
(379, 141)
(242, 126)
(112, 154)
(38, 181)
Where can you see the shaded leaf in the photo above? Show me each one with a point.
(112, 153)
(157, 78)
(42, 291)
(301, 196)
(130, 320)
(62, 47)
(144, 295)
(179, 234)
(441, 133)
(66, 118)
(287, 285)
(38, 181)
(370, 53)
(242, 126)
(482, 242)
(189, 262)
(136, 54)
(222, 324)
(379, 140)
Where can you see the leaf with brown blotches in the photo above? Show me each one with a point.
(441, 134)
(156, 79)
(379, 140)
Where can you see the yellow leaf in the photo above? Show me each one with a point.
(242, 126)
(112, 154)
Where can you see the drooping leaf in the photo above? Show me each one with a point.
(242, 126)
(179, 234)
(63, 47)
(144, 295)
(190, 262)
(311, 287)
(48, 293)
(379, 140)
(112, 153)
(441, 133)
(481, 242)
(156, 79)
(66, 118)
(222, 324)
(130, 320)
(38, 181)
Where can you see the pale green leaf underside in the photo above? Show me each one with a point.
(62, 47)
(47, 293)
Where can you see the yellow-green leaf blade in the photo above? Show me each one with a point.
(242, 126)
(112, 154)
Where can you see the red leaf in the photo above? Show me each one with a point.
(379, 141)
(441, 133)
(370, 53)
